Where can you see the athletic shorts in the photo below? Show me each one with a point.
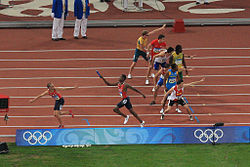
(181, 102)
(58, 104)
(180, 73)
(139, 53)
(157, 65)
(125, 102)
(160, 82)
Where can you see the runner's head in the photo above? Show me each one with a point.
(178, 49)
(170, 50)
(180, 83)
(174, 67)
(50, 86)
(144, 33)
(122, 78)
(161, 38)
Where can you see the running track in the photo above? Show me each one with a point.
(28, 62)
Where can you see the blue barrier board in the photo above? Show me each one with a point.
(136, 135)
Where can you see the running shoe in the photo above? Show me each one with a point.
(147, 82)
(142, 124)
(129, 76)
(178, 110)
(162, 110)
(152, 75)
(191, 118)
(153, 90)
(197, 3)
(152, 103)
(126, 120)
(71, 113)
(162, 116)
(61, 126)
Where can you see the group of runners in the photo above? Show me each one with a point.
(168, 63)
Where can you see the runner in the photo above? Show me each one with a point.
(160, 60)
(176, 93)
(141, 48)
(59, 101)
(161, 72)
(122, 87)
(179, 59)
(169, 81)
(156, 46)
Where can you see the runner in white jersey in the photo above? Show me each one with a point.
(176, 93)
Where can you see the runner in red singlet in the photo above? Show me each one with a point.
(59, 101)
(122, 88)
(175, 96)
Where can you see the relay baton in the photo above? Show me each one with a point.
(98, 74)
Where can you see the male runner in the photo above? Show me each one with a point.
(156, 46)
(141, 49)
(170, 79)
(123, 87)
(179, 59)
(176, 93)
(59, 101)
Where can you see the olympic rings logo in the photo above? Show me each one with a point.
(41, 138)
(208, 134)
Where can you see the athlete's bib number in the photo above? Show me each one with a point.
(172, 80)
(124, 101)
(178, 61)
(156, 50)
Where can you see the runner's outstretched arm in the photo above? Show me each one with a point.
(76, 86)
(130, 87)
(108, 83)
(184, 64)
(166, 94)
(41, 95)
(195, 82)
(156, 30)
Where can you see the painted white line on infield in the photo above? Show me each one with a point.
(134, 96)
(146, 125)
(91, 87)
(145, 115)
(105, 50)
(191, 76)
(114, 59)
(113, 68)
(135, 105)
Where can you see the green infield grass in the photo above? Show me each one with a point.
(198, 155)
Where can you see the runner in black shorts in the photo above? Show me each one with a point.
(59, 101)
(175, 96)
(141, 48)
(122, 87)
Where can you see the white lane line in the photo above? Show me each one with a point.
(146, 115)
(66, 50)
(191, 76)
(114, 68)
(91, 87)
(134, 96)
(115, 59)
(146, 125)
(135, 105)
(106, 50)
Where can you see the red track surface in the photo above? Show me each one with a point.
(120, 38)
